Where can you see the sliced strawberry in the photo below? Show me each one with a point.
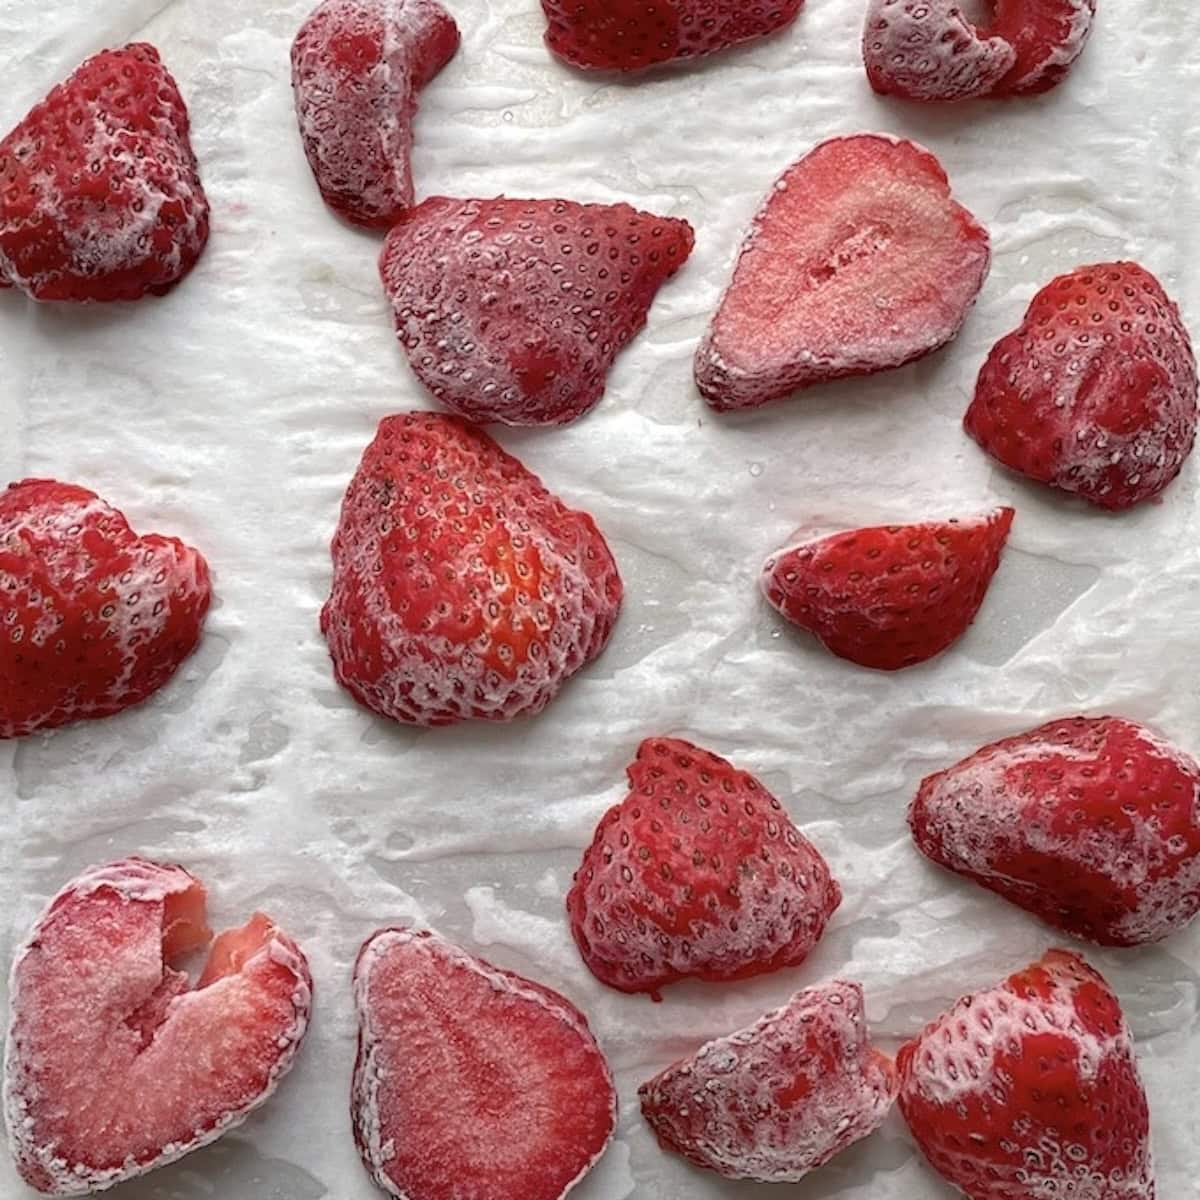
(1095, 393)
(858, 261)
(1047, 36)
(472, 1081)
(698, 872)
(461, 587)
(1031, 1089)
(100, 195)
(514, 310)
(357, 67)
(891, 596)
(115, 1064)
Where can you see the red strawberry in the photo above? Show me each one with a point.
(461, 587)
(890, 596)
(100, 196)
(94, 618)
(858, 261)
(472, 1081)
(1091, 824)
(1031, 1089)
(357, 66)
(514, 310)
(116, 1064)
(698, 872)
(781, 1098)
(1095, 393)
(627, 35)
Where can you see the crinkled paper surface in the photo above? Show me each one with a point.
(233, 412)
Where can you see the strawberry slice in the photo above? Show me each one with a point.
(890, 596)
(100, 195)
(858, 261)
(776, 1100)
(514, 310)
(470, 1080)
(1030, 1089)
(1096, 392)
(698, 872)
(115, 1064)
(1047, 37)
(357, 68)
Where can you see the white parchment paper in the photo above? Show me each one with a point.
(233, 412)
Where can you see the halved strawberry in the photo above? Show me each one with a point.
(115, 1064)
(891, 596)
(472, 1081)
(858, 261)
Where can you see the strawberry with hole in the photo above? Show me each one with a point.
(697, 873)
(514, 310)
(1031, 1089)
(1095, 393)
(858, 261)
(357, 68)
(93, 618)
(1092, 824)
(472, 1081)
(776, 1100)
(100, 195)
(116, 1064)
(891, 596)
(461, 587)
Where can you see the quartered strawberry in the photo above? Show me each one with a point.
(93, 618)
(776, 1100)
(1095, 393)
(100, 195)
(628, 35)
(116, 1064)
(514, 310)
(698, 872)
(1093, 824)
(858, 261)
(1031, 1089)
(357, 67)
(461, 587)
(472, 1081)
(891, 596)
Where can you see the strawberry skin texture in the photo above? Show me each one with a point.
(1031, 1088)
(100, 194)
(1095, 393)
(94, 619)
(776, 1100)
(1092, 824)
(115, 1063)
(461, 587)
(697, 873)
(514, 310)
(891, 596)
(357, 67)
(472, 1081)
(858, 261)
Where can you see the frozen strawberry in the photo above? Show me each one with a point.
(472, 1081)
(698, 872)
(1031, 1089)
(1095, 393)
(461, 587)
(781, 1098)
(93, 618)
(100, 195)
(357, 67)
(514, 310)
(1047, 36)
(116, 1064)
(891, 596)
(627, 35)
(858, 261)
